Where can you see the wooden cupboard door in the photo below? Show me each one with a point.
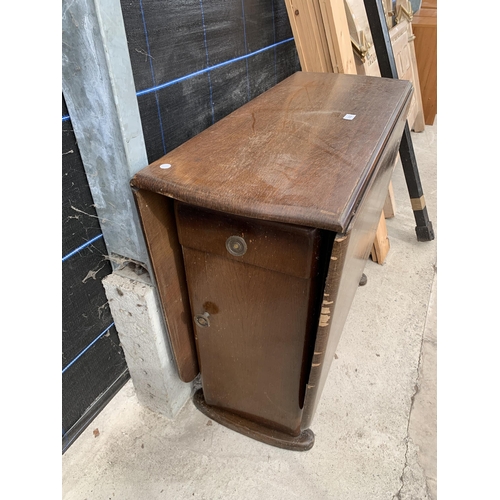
(252, 328)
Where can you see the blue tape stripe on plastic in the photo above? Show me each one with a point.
(81, 247)
(87, 348)
(211, 68)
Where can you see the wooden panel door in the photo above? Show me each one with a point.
(252, 320)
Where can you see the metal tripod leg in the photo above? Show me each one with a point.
(387, 65)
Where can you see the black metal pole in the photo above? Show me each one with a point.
(387, 65)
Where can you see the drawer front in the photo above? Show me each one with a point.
(278, 247)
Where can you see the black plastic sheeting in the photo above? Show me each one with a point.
(174, 43)
(92, 360)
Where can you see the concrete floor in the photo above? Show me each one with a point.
(375, 425)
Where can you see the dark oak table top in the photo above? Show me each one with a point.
(291, 155)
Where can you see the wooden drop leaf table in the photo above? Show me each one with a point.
(258, 230)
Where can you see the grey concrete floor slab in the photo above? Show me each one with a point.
(375, 425)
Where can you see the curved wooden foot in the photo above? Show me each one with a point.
(303, 442)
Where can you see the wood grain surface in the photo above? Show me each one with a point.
(425, 31)
(289, 155)
(160, 232)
